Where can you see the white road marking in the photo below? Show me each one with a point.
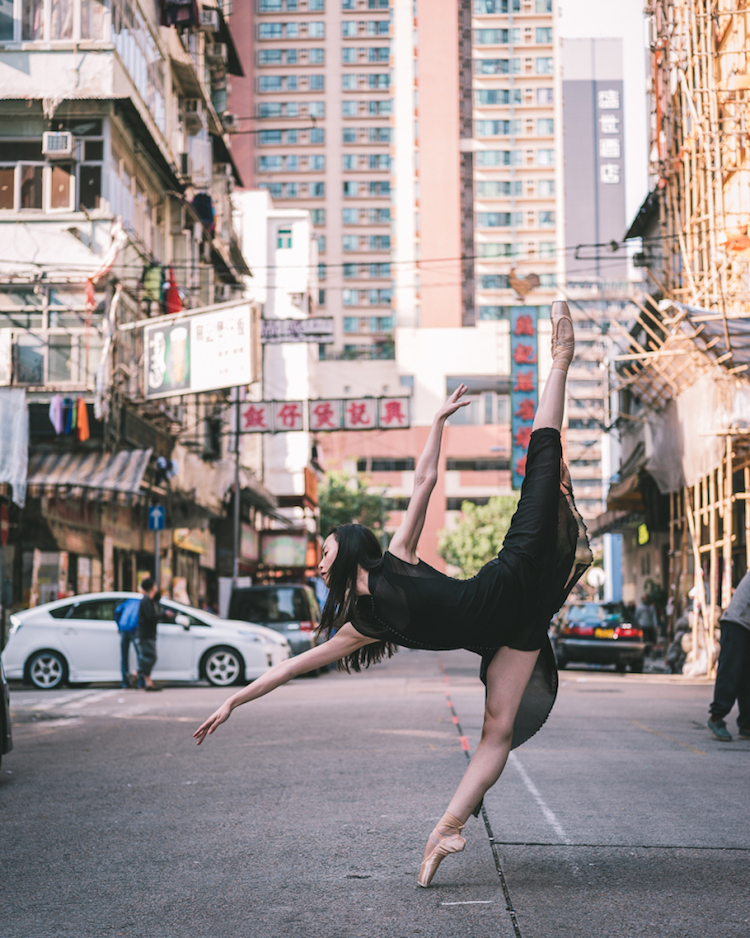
(471, 902)
(549, 814)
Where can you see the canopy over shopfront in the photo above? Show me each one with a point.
(105, 477)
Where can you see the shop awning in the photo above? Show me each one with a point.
(96, 476)
(625, 495)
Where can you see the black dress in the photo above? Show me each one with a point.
(509, 602)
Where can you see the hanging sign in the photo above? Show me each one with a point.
(524, 385)
(318, 330)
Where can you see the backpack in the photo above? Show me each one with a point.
(126, 615)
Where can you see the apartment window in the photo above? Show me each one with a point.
(349, 108)
(271, 57)
(350, 216)
(316, 30)
(348, 4)
(349, 55)
(349, 135)
(546, 188)
(316, 109)
(321, 239)
(547, 280)
(350, 190)
(351, 323)
(349, 82)
(545, 126)
(497, 128)
(271, 30)
(268, 137)
(379, 188)
(380, 323)
(316, 56)
(274, 189)
(380, 161)
(379, 216)
(379, 297)
(317, 135)
(316, 6)
(543, 6)
(273, 6)
(545, 66)
(494, 188)
(386, 465)
(544, 96)
(349, 162)
(496, 6)
(270, 109)
(547, 249)
(270, 164)
(350, 243)
(376, 271)
(497, 66)
(494, 312)
(378, 54)
(543, 34)
(317, 163)
(321, 272)
(545, 157)
(56, 20)
(378, 28)
(546, 219)
(377, 4)
(291, 190)
(490, 37)
(378, 82)
(318, 216)
(350, 271)
(487, 158)
(499, 219)
(498, 96)
(284, 238)
(378, 108)
(493, 282)
(494, 250)
(317, 83)
(379, 135)
(349, 29)
(317, 190)
(380, 242)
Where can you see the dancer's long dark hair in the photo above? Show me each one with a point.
(358, 547)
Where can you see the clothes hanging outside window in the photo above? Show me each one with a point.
(172, 300)
(180, 13)
(204, 209)
(153, 283)
(56, 413)
(82, 420)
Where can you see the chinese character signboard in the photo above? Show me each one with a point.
(198, 353)
(366, 413)
(276, 331)
(524, 384)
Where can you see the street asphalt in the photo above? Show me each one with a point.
(305, 816)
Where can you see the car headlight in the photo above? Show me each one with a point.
(15, 625)
(251, 636)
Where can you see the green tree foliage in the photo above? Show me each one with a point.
(479, 534)
(344, 500)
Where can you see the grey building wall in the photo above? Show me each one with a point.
(594, 156)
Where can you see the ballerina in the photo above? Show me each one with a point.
(378, 601)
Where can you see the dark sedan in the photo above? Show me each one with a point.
(598, 633)
(6, 740)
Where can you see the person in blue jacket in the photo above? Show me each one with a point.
(126, 617)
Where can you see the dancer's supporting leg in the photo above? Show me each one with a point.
(510, 669)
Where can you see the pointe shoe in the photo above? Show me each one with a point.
(446, 838)
(563, 339)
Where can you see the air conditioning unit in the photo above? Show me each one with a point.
(209, 20)
(186, 165)
(58, 144)
(230, 122)
(192, 113)
(222, 292)
(216, 51)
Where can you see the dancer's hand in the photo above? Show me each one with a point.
(212, 723)
(453, 403)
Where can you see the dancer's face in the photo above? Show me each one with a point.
(330, 550)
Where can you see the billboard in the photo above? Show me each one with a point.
(198, 353)
(367, 413)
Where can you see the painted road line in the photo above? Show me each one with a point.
(549, 814)
(471, 902)
(698, 752)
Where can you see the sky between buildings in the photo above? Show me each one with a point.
(624, 19)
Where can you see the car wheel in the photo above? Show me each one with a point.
(637, 666)
(223, 667)
(47, 670)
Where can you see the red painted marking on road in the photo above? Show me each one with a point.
(449, 702)
(455, 719)
(464, 743)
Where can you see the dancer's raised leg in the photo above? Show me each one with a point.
(507, 677)
(551, 407)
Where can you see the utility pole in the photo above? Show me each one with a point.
(236, 546)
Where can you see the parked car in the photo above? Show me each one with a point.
(598, 633)
(6, 737)
(289, 608)
(76, 640)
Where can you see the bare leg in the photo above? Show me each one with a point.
(507, 677)
(552, 405)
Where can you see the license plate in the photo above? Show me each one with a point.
(604, 633)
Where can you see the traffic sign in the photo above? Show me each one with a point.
(156, 517)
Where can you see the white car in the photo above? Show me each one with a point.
(76, 640)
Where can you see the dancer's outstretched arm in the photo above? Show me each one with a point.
(406, 538)
(346, 641)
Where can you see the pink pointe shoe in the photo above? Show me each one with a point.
(563, 336)
(445, 839)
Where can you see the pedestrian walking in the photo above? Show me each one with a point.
(647, 620)
(733, 670)
(378, 601)
(148, 618)
(126, 617)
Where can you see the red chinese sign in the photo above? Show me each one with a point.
(523, 385)
(367, 413)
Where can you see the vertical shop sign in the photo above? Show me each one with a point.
(524, 385)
